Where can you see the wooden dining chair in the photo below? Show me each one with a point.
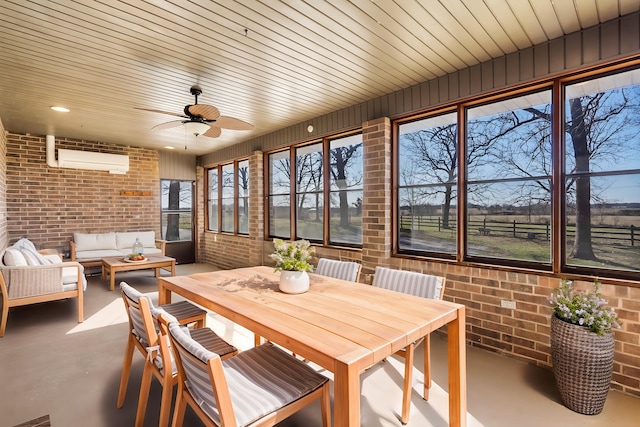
(422, 285)
(159, 360)
(345, 270)
(258, 387)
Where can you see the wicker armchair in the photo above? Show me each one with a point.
(31, 284)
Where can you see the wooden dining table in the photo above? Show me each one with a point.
(344, 327)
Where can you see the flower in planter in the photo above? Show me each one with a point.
(585, 309)
(292, 256)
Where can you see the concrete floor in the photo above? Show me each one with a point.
(51, 365)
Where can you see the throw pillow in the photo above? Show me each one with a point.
(13, 258)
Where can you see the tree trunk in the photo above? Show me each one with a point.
(173, 220)
(582, 247)
(446, 209)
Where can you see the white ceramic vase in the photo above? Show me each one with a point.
(294, 282)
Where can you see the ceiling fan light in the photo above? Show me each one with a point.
(196, 128)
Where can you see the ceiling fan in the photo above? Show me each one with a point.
(201, 119)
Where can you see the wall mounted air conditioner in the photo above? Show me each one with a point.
(74, 159)
(91, 160)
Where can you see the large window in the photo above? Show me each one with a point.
(602, 172)
(427, 178)
(508, 146)
(323, 180)
(228, 197)
(545, 186)
(345, 192)
(176, 210)
(279, 192)
(309, 192)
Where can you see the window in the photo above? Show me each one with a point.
(176, 206)
(280, 194)
(309, 192)
(212, 202)
(243, 197)
(326, 190)
(345, 193)
(427, 178)
(528, 190)
(228, 197)
(602, 172)
(509, 179)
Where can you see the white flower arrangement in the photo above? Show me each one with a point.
(585, 309)
(292, 256)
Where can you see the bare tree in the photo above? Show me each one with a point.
(341, 157)
(309, 179)
(596, 127)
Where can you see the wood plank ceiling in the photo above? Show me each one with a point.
(271, 63)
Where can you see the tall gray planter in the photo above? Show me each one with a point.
(582, 365)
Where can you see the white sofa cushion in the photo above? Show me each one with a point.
(14, 258)
(126, 239)
(97, 254)
(92, 242)
(147, 251)
(69, 274)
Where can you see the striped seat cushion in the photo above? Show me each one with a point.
(344, 270)
(408, 282)
(179, 310)
(182, 310)
(260, 380)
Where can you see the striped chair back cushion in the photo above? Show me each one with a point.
(408, 282)
(139, 330)
(344, 270)
(133, 296)
(259, 380)
(193, 357)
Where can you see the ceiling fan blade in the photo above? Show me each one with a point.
(162, 112)
(213, 132)
(167, 125)
(207, 112)
(233, 124)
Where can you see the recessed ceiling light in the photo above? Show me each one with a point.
(168, 147)
(60, 109)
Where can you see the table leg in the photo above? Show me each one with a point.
(164, 295)
(457, 371)
(112, 279)
(346, 396)
(173, 268)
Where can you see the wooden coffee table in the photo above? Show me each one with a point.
(111, 265)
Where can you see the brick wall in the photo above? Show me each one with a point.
(522, 333)
(48, 204)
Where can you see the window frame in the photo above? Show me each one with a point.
(219, 193)
(559, 252)
(325, 143)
